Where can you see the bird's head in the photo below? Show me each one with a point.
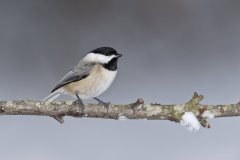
(102, 55)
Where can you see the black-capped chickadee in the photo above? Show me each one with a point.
(91, 77)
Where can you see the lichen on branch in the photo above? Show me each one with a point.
(136, 110)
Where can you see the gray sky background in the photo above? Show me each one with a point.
(171, 49)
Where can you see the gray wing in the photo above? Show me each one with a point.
(81, 71)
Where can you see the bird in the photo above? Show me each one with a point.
(92, 76)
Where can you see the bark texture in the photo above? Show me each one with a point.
(137, 110)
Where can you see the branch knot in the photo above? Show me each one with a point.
(192, 105)
(138, 105)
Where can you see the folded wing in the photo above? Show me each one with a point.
(81, 71)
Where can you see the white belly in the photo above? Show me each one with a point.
(92, 86)
(100, 85)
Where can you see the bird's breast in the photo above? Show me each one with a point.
(95, 84)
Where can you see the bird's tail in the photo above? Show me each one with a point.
(52, 96)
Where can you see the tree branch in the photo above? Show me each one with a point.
(137, 110)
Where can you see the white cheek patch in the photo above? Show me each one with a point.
(104, 59)
(92, 57)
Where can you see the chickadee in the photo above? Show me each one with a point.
(91, 77)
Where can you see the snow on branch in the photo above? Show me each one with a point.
(189, 114)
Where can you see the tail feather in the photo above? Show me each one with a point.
(52, 96)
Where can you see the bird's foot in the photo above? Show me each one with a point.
(100, 102)
(80, 102)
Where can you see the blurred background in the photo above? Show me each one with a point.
(171, 49)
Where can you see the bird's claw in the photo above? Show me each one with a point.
(105, 104)
(80, 103)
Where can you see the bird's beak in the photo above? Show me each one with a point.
(119, 55)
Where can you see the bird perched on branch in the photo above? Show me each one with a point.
(91, 77)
